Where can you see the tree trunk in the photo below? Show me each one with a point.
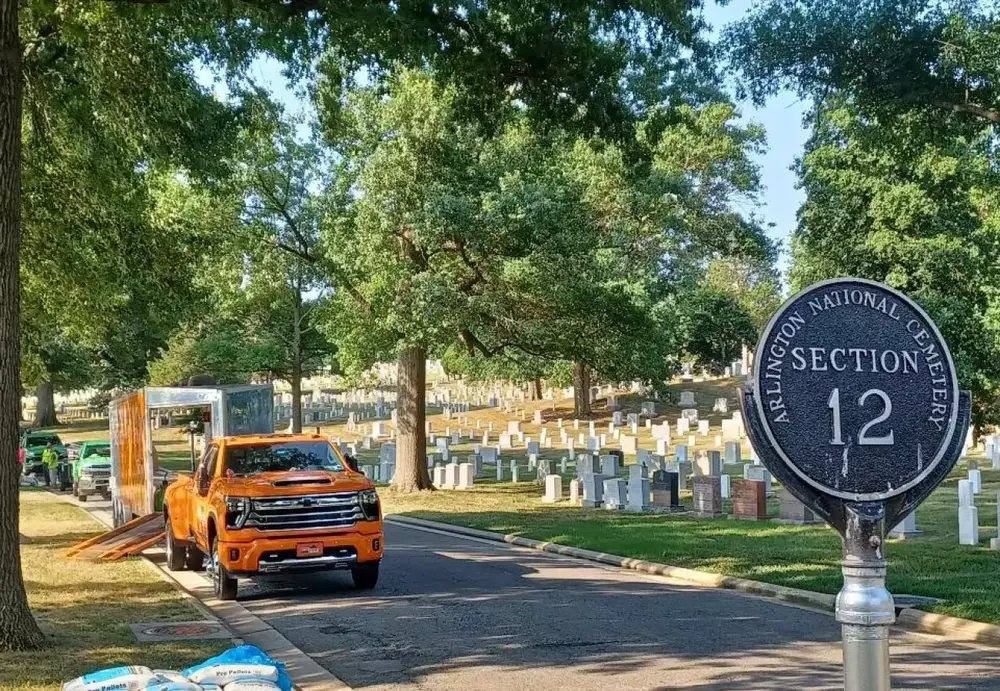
(581, 389)
(297, 361)
(411, 436)
(536, 389)
(45, 410)
(18, 630)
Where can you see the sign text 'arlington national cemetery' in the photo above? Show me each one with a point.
(856, 389)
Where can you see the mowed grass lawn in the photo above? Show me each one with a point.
(806, 557)
(85, 608)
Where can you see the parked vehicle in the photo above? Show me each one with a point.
(92, 470)
(34, 444)
(136, 476)
(270, 504)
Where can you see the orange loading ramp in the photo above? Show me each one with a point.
(124, 541)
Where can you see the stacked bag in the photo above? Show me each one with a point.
(244, 668)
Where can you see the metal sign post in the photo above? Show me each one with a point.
(854, 406)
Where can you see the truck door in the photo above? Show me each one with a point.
(198, 501)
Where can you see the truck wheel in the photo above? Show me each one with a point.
(224, 585)
(365, 577)
(175, 553)
(195, 560)
(82, 497)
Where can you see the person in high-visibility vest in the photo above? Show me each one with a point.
(50, 458)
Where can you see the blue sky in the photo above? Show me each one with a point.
(781, 118)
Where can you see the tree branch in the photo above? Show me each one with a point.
(971, 108)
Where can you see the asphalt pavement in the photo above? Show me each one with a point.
(452, 613)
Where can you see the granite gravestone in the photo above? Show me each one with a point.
(707, 496)
(749, 499)
(664, 489)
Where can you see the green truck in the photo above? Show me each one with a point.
(33, 444)
(92, 470)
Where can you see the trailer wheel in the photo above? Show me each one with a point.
(224, 585)
(175, 553)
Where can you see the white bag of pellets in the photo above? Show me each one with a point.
(251, 685)
(162, 684)
(168, 675)
(114, 679)
(225, 673)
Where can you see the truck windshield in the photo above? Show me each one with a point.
(42, 440)
(98, 450)
(282, 457)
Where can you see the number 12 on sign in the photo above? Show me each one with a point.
(863, 437)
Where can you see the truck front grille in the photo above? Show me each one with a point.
(340, 510)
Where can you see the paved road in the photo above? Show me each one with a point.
(462, 615)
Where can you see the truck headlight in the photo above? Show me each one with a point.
(369, 504)
(237, 511)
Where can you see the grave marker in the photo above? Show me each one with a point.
(749, 499)
(707, 496)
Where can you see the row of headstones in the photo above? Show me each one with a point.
(968, 512)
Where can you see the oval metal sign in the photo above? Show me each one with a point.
(856, 389)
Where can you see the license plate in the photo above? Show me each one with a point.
(309, 549)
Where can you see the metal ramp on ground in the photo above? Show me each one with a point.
(124, 541)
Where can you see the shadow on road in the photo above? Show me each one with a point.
(453, 613)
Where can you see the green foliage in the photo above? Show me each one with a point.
(893, 201)
(540, 244)
(718, 328)
(891, 56)
(116, 135)
(752, 282)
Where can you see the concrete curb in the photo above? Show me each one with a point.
(307, 674)
(952, 628)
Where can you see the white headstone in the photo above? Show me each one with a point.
(725, 484)
(553, 489)
(593, 490)
(609, 465)
(630, 445)
(466, 476)
(615, 494)
(976, 480)
(687, 399)
(683, 426)
(451, 476)
(439, 477)
(638, 489)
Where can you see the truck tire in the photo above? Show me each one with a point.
(175, 553)
(224, 585)
(82, 497)
(195, 560)
(365, 577)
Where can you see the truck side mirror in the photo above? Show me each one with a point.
(201, 481)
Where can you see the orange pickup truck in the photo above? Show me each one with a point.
(269, 504)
